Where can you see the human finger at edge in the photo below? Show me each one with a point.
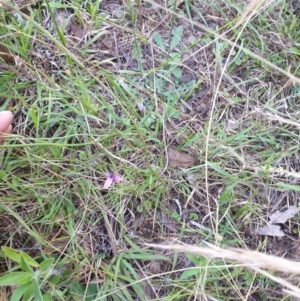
(6, 118)
(4, 133)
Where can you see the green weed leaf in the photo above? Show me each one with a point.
(177, 72)
(28, 294)
(56, 279)
(3, 175)
(189, 273)
(18, 293)
(47, 297)
(82, 156)
(37, 292)
(16, 256)
(14, 278)
(25, 266)
(176, 38)
(158, 40)
(192, 258)
(46, 264)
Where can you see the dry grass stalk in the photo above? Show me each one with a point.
(249, 258)
(251, 9)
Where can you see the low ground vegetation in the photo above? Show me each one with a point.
(150, 123)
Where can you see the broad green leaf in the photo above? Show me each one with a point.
(176, 58)
(76, 287)
(55, 279)
(26, 280)
(194, 259)
(14, 278)
(189, 273)
(158, 40)
(16, 256)
(176, 38)
(82, 156)
(18, 293)
(177, 72)
(37, 292)
(46, 264)
(29, 292)
(3, 175)
(59, 295)
(47, 297)
(25, 266)
(91, 292)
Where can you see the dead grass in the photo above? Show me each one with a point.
(250, 259)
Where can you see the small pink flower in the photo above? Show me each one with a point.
(111, 179)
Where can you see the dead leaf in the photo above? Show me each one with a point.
(76, 30)
(180, 159)
(187, 78)
(277, 218)
(270, 230)
(3, 295)
(155, 267)
(281, 217)
(5, 55)
(108, 42)
(200, 94)
(148, 291)
(147, 287)
(169, 223)
(62, 18)
(232, 126)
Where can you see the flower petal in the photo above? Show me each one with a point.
(117, 178)
(108, 182)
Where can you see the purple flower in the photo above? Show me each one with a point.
(110, 179)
